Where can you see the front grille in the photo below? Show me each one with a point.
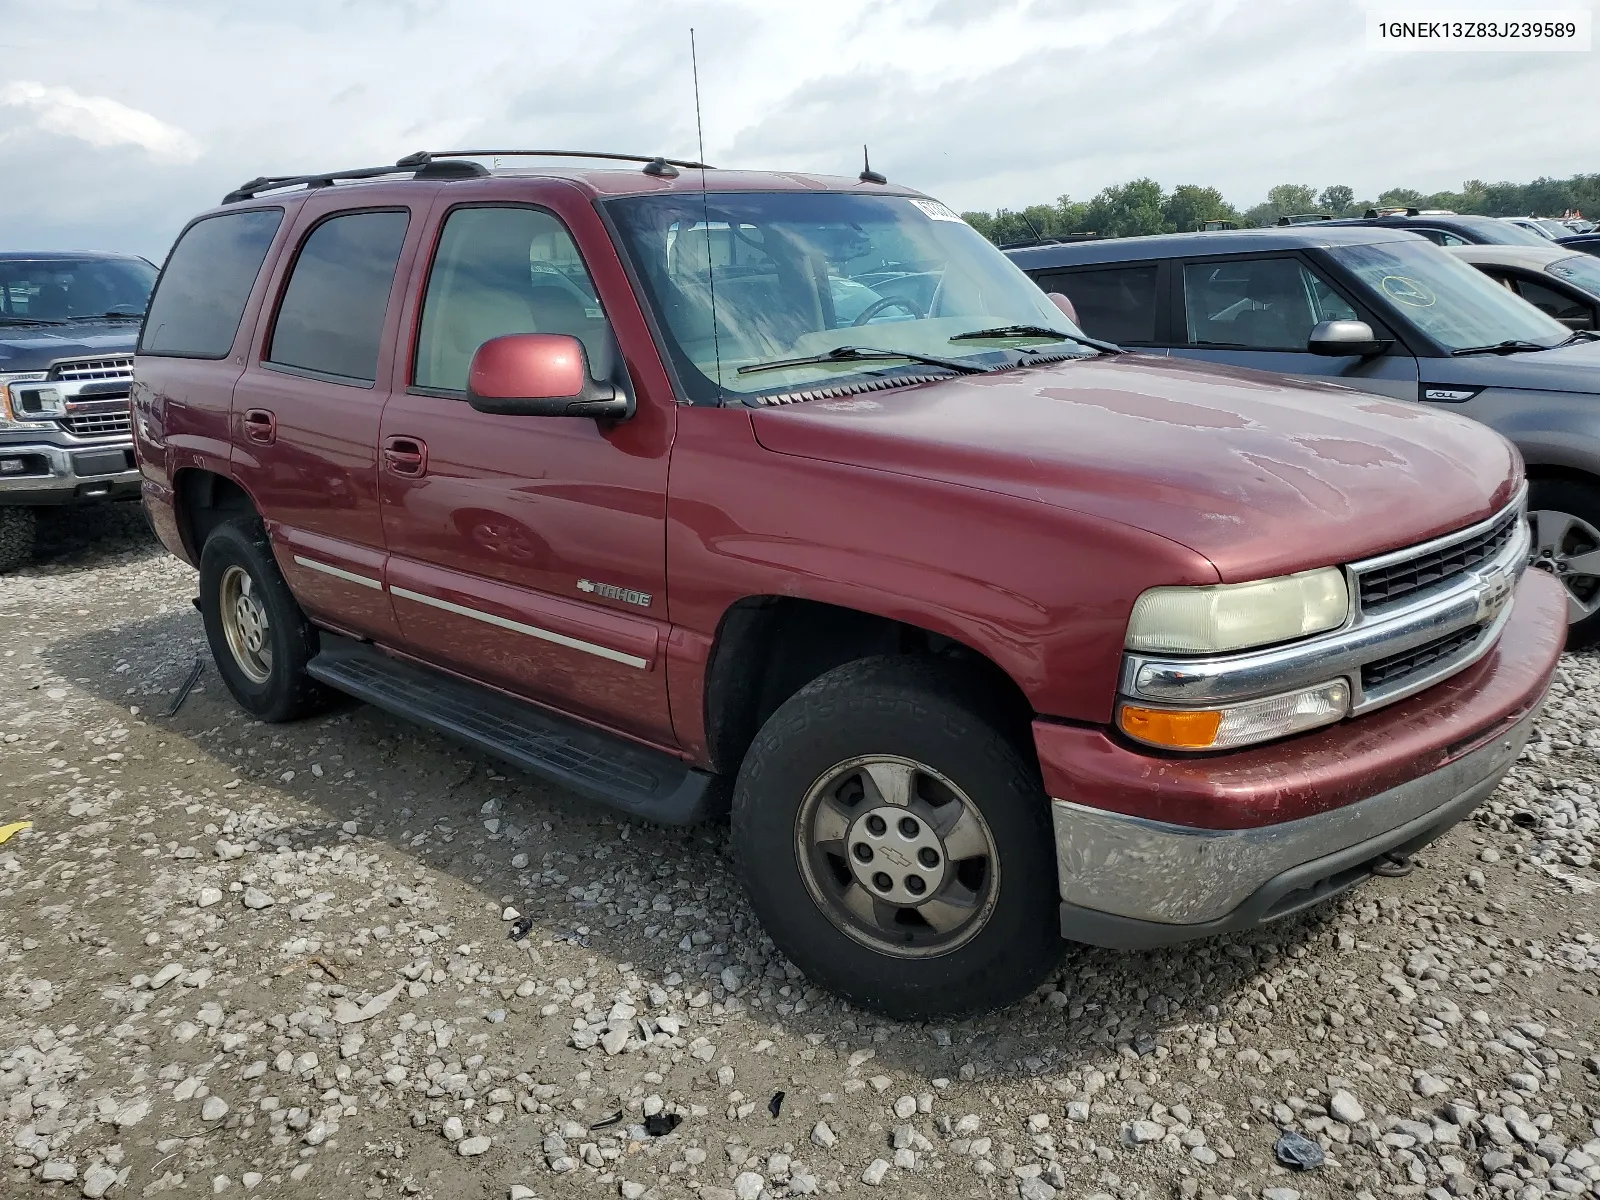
(83, 369)
(1398, 667)
(1386, 585)
(99, 425)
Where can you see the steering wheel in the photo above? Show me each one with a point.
(877, 306)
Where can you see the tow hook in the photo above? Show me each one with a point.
(1393, 866)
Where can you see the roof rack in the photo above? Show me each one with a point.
(448, 164)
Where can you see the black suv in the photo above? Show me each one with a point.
(1380, 310)
(1453, 229)
(68, 323)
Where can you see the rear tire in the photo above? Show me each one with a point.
(260, 639)
(944, 904)
(17, 526)
(1565, 515)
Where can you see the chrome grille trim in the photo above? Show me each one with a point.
(98, 424)
(1490, 534)
(83, 370)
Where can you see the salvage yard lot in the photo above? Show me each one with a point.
(277, 958)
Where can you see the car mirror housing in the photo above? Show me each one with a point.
(1341, 339)
(541, 375)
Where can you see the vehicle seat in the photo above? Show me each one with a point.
(1282, 322)
(53, 303)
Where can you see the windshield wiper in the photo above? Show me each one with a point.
(1010, 331)
(863, 354)
(1510, 346)
(28, 321)
(1580, 335)
(110, 316)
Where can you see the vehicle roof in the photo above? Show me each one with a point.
(1428, 220)
(1322, 234)
(73, 255)
(1534, 257)
(597, 182)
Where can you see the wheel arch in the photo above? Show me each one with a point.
(768, 647)
(205, 499)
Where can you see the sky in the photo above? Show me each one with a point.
(162, 106)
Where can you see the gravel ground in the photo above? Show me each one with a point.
(238, 958)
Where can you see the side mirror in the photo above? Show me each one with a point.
(541, 375)
(1065, 305)
(1341, 339)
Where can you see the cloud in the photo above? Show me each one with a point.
(98, 120)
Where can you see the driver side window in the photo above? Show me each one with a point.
(500, 271)
(1257, 304)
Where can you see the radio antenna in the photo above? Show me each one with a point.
(705, 210)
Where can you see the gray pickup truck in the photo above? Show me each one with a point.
(68, 323)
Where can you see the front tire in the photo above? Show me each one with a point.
(260, 639)
(17, 529)
(1565, 516)
(896, 845)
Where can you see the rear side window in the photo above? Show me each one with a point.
(200, 300)
(331, 318)
(1117, 303)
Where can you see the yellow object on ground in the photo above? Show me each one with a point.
(15, 827)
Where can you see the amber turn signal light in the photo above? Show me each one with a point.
(1166, 727)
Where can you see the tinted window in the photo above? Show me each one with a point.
(1557, 304)
(1260, 304)
(1116, 303)
(331, 318)
(500, 271)
(203, 290)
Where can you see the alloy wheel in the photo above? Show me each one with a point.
(245, 624)
(897, 856)
(1568, 547)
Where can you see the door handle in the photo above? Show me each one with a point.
(260, 426)
(406, 456)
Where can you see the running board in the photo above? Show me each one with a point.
(634, 779)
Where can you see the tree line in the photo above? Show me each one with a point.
(1143, 206)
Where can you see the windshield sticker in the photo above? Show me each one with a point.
(1408, 291)
(933, 210)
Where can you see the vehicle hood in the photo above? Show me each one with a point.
(35, 347)
(1259, 473)
(1574, 368)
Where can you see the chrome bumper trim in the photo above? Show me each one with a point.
(1175, 875)
(59, 472)
(1479, 597)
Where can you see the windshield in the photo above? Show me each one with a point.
(1581, 271)
(74, 289)
(1453, 303)
(796, 274)
(1510, 233)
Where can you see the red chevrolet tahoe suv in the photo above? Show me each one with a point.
(695, 489)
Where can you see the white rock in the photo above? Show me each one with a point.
(1035, 1188)
(876, 1170)
(748, 1185)
(454, 1131)
(519, 861)
(214, 1109)
(209, 896)
(250, 1178)
(1137, 1133)
(905, 1108)
(133, 1113)
(615, 1041)
(472, 1147)
(254, 897)
(521, 1192)
(1345, 1107)
(56, 1171)
(822, 1136)
(220, 1184)
(98, 1180)
(165, 976)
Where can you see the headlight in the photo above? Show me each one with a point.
(1234, 616)
(1228, 726)
(9, 411)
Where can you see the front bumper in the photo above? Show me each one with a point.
(52, 474)
(1156, 850)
